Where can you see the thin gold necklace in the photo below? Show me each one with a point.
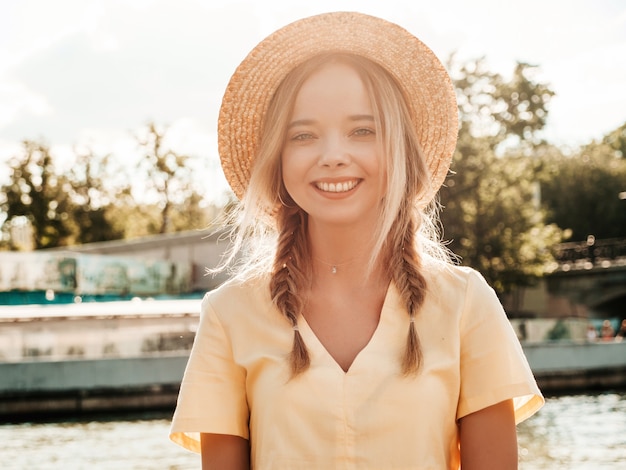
(334, 266)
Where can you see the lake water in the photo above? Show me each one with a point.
(576, 432)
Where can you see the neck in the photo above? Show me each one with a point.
(342, 253)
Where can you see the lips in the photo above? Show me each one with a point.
(340, 187)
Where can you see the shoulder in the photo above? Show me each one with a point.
(243, 312)
(238, 297)
(459, 289)
(452, 278)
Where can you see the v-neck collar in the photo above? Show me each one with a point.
(321, 354)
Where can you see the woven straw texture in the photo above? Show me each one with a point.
(424, 79)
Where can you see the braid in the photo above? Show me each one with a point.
(287, 277)
(412, 287)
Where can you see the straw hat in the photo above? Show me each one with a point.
(415, 67)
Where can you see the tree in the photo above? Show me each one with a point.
(491, 211)
(512, 112)
(168, 177)
(581, 192)
(522, 105)
(162, 197)
(37, 192)
(492, 216)
(94, 205)
(616, 140)
(140, 220)
(95, 201)
(191, 214)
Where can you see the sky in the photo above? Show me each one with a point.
(82, 74)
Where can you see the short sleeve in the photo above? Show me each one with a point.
(493, 365)
(212, 395)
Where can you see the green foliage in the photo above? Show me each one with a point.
(492, 215)
(522, 109)
(141, 220)
(62, 209)
(93, 201)
(38, 193)
(581, 192)
(168, 176)
(510, 111)
(616, 140)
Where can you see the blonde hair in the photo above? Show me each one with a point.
(271, 230)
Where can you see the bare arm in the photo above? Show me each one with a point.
(224, 452)
(489, 439)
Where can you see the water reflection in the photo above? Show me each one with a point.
(123, 442)
(577, 432)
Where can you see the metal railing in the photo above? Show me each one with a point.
(593, 251)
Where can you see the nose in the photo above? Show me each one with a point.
(335, 153)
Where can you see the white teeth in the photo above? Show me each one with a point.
(337, 187)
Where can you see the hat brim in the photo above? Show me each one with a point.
(423, 78)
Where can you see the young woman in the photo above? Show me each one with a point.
(348, 339)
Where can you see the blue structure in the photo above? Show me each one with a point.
(47, 277)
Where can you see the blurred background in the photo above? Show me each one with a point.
(110, 186)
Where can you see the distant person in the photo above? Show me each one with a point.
(348, 339)
(621, 333)
(592, 333)
(607, 333)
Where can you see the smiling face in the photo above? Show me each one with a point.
(331, 157)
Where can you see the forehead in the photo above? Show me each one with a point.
(331, 76)
(333, 84)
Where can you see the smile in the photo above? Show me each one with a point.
(337, 187)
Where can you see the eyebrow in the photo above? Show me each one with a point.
(308, 122)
